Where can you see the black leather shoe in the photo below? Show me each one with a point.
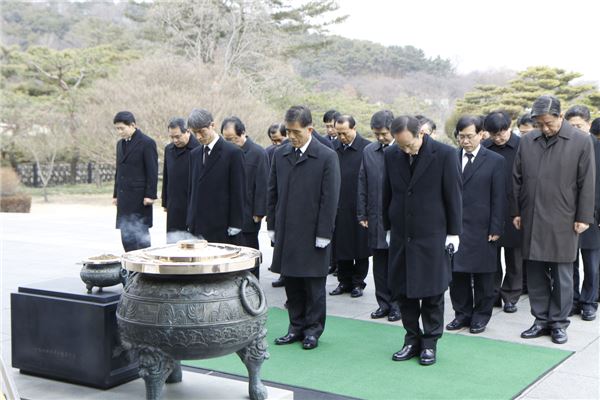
(394, 316)
(510, 308)
(559, 335)
(477, 327)
(379, 313)
(427, 357)
(457, 324)
(588, 314)
(535, 331)
(278, 282)
(356, 292)
(406, 353)
(340, 289)
(310, 342)
(289, 338)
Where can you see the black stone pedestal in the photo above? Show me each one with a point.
(60, 331)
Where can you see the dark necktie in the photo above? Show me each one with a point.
(298, 154)
(411, 159)
(206, 151)
(384, 146)
(469, 163)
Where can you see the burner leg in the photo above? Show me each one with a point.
(176, 375)
(155, 367)
(253, 356)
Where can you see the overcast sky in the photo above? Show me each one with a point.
(482, 35)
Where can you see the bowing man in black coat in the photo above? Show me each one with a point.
(351, 241)
(585, 301)
(136, 178)
(257, 172)
(304, 187)
(505, 143)
(422, 205)
(484, 206)
(217, 184)
(278, 136)
(176, 175)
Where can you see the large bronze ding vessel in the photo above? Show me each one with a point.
(193, 300)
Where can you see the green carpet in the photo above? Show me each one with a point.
(354, 359)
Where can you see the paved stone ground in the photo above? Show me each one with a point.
(48, 243)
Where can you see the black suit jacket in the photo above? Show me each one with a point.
(421, 209)
(217, 192)
(323, 140)
(176, 175)
(590, 239)
(512, 237)
(484, 210)
(136, 177)
(257, 176)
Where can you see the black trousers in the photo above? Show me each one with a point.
(550, 292)
(591, 275)
(306, 305)
(135, 238)
(383, 293)
(431, 312)
(352, 273)
(511, 287)
(472, 304)
(250, 239)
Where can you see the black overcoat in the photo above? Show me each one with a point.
(590, 239)
(136, 178)
(484, 209)
(553, 184)
(324, 140)
(421, 210)
(301, 206)
(512, 237)
(351, 240)
(176, 175)
(217, 191)
(257, 175)
(368, 206)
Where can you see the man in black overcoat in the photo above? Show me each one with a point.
(303, 195)
(505, 143)
(176, 174)
(422, 203)
(585, 301)
(257, 172)
(370, 214)
(217, 184)
(351, 242)
(136, 178)
(484, 206)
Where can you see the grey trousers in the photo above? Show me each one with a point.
(550, 292)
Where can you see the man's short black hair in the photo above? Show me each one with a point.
(237, 123)
(124, 117)
(199, 118)
(276, 127)
(595, 128)
(578, 111)
(525, 119)
(342, 119)
(426, 121)
(404, 122)
(382, 120)
(497, 121)
(330, 115)
(177, 122)
(545, 104)
(300, 114)
(468, 120)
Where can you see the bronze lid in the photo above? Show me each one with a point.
(191, 257)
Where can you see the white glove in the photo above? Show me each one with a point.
(322, 242)
(271, 235)
(453, 240)
(233, 231)
(388, 237)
